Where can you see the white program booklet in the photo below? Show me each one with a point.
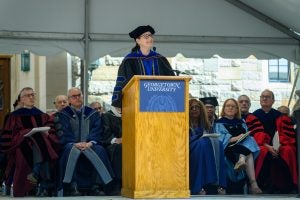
(276, 142)
(241, 138)
(37, 130)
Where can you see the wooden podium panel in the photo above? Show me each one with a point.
(155, 146)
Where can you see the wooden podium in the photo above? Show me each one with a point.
(155, 137)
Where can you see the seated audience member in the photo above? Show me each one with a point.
(284, 110)
(238, 150)
(84, 163)
(207, 167)
(210, 104)
(3, 159)
(276, 169)
(254, 125)
(29, 157)
(97, 106)
(111, 139)
(61, 101)
(288, 141)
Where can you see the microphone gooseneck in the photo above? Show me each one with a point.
(178, 72)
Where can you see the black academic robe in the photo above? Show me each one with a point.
(136, 64)
(112, 128)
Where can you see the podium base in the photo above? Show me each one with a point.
(134, 194)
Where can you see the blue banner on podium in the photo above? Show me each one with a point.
(162, 96)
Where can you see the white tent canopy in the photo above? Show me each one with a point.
(196, 28)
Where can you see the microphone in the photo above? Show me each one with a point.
(154, 49)
(178, 72)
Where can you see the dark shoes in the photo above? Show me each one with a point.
(74, 190)
(202, 192)
(6, 190)
(113, 188)
(96, 191)
(42, 192)
(32, 178)
(221, 191)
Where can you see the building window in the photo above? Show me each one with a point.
(279, 70)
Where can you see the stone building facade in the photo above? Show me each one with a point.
(223, 78)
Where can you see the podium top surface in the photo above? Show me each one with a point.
(168, 78)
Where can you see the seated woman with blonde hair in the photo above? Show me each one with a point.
(240, 150)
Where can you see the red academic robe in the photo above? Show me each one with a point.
(19, 148)
(257, 131)
(287, 140)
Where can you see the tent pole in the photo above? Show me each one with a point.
(85, 74)
(294, 86)
(296, 115)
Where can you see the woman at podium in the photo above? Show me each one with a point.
(142, 60)
(207, 167)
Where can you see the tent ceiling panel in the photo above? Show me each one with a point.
(177, 17)
(286, 12)
(65, 16)
(193, 27)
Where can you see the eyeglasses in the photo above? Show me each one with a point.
(29, 95)
(75, 96)
(230, 106)
(146, 36)
(265, 97)
(195, 108)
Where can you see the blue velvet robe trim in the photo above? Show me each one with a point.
(149, 61)
(248, 142)
(89, 124)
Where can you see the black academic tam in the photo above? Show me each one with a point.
(210, 100)
(140, 30)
